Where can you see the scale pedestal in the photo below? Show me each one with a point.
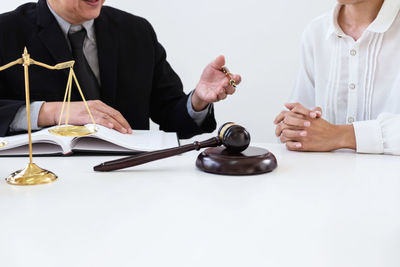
(31, 175)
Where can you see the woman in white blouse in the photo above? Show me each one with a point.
(350, 71)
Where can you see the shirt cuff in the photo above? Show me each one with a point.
(200, 116)
(20, 121)
(368, 137)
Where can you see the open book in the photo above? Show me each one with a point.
(103, 141)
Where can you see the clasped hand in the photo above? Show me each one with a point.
(302, 129)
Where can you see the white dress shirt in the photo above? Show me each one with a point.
(355, 82)
(19, 122)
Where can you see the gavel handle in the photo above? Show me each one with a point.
(155, 155)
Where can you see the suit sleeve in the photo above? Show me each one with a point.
(8, 110)
(8, 107)
(168, 105)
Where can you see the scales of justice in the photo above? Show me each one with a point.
(33, 174)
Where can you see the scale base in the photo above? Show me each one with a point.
(31, 175)
(73, 131)
(252, 161)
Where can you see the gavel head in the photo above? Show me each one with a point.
(234, 137)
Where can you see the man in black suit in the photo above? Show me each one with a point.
(119, 63)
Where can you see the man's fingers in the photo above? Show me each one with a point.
(220, 92)
(237, 78)
(110, 122)
(230, 90)
(218, 63)
(120, 122)
(222, 96)
(118, 126)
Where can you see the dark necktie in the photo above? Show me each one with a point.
(84, 73)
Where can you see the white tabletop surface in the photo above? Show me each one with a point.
(316, 209)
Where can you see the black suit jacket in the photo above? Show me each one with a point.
(135, 77)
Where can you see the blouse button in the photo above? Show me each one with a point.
(352, 86)
(350, 120)
(353, 52)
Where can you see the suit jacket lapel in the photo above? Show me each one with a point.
(107, 49)
(51, 35)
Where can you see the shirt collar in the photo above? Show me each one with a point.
(386, 16)
(334, 28)
(66, 27)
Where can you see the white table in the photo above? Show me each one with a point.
(316, 209)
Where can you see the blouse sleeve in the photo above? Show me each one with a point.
(304, 89)
(379, 136)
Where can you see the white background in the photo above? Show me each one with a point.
(260, 38)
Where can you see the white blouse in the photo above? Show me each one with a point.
(355, 82)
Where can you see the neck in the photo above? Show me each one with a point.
(355, 18)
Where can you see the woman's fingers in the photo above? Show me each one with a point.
(300, 109)
(284, 114)
(294, 121)
(294, 146)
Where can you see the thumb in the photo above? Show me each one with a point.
(219, 62)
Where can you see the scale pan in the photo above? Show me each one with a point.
(73, 131)
(3, 143)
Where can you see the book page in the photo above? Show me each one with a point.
(43, 143)
(38, 149)
(112, 141)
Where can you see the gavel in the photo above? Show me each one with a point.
(234, 137)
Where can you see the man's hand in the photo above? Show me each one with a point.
(213, 86)
(104, 115)
(304, 130)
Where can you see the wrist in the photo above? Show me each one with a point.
(347, 137)
(197, 103)
(47, 114)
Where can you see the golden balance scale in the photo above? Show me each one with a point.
(33, 174)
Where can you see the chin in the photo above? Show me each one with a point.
(91, 9)
(90, 14)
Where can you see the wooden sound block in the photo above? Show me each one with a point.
(252, 161)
